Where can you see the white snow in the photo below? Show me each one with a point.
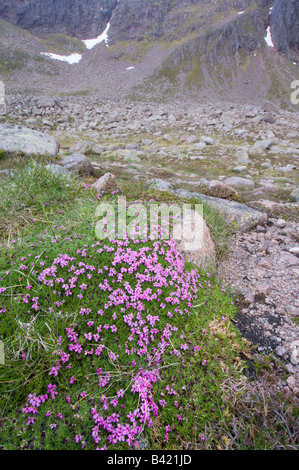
(71, 59)
(90, 43)
(268, 38)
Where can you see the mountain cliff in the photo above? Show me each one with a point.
(209, 49)
(80, 18)
(285, 26)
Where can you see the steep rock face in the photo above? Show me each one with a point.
(284, 21)
(81, 18)
(171, 20)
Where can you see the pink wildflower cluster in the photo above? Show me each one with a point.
(138, 277)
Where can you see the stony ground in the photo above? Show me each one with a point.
(252, 150)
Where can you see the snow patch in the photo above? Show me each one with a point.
(70, 59)
(90, 43)
(268, 38)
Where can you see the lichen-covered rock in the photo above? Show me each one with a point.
(222, 190)
(21, 140)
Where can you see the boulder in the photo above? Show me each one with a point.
(295, 195)
(97, 150)
(46, 102)
(193, 240)
(21, 140)
(130, 155)
(240, 216)
(242, 156)
(207, 140)
(107, 182)
(222, 190)
(79, 164)
(240, 183)
(160, 185)
(261, 146)
(83, 146)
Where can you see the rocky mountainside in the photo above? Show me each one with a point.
(80, 18)
(157, 50)
(285, 26)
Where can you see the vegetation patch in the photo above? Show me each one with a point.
(112, 343)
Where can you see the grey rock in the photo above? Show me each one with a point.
(160, 185)
(280, 351)
(240, 169)
(193, 239)
(281, 223)
(106, 183)
(130, 155)
(242, 156)
(295, 352)
(295, 195)
(261, 146)
(290, 368)
(79, 164)
(46, 102)
(27, 141)
(97, 149)
(83, 146)
(240, 183)
(240, 216)
(207, 140)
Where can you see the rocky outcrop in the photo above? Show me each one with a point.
(79, 18)
(284, 22)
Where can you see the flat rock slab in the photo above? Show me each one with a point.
(27, 141)
(241, 216)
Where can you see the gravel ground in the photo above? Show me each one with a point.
(263, 267)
